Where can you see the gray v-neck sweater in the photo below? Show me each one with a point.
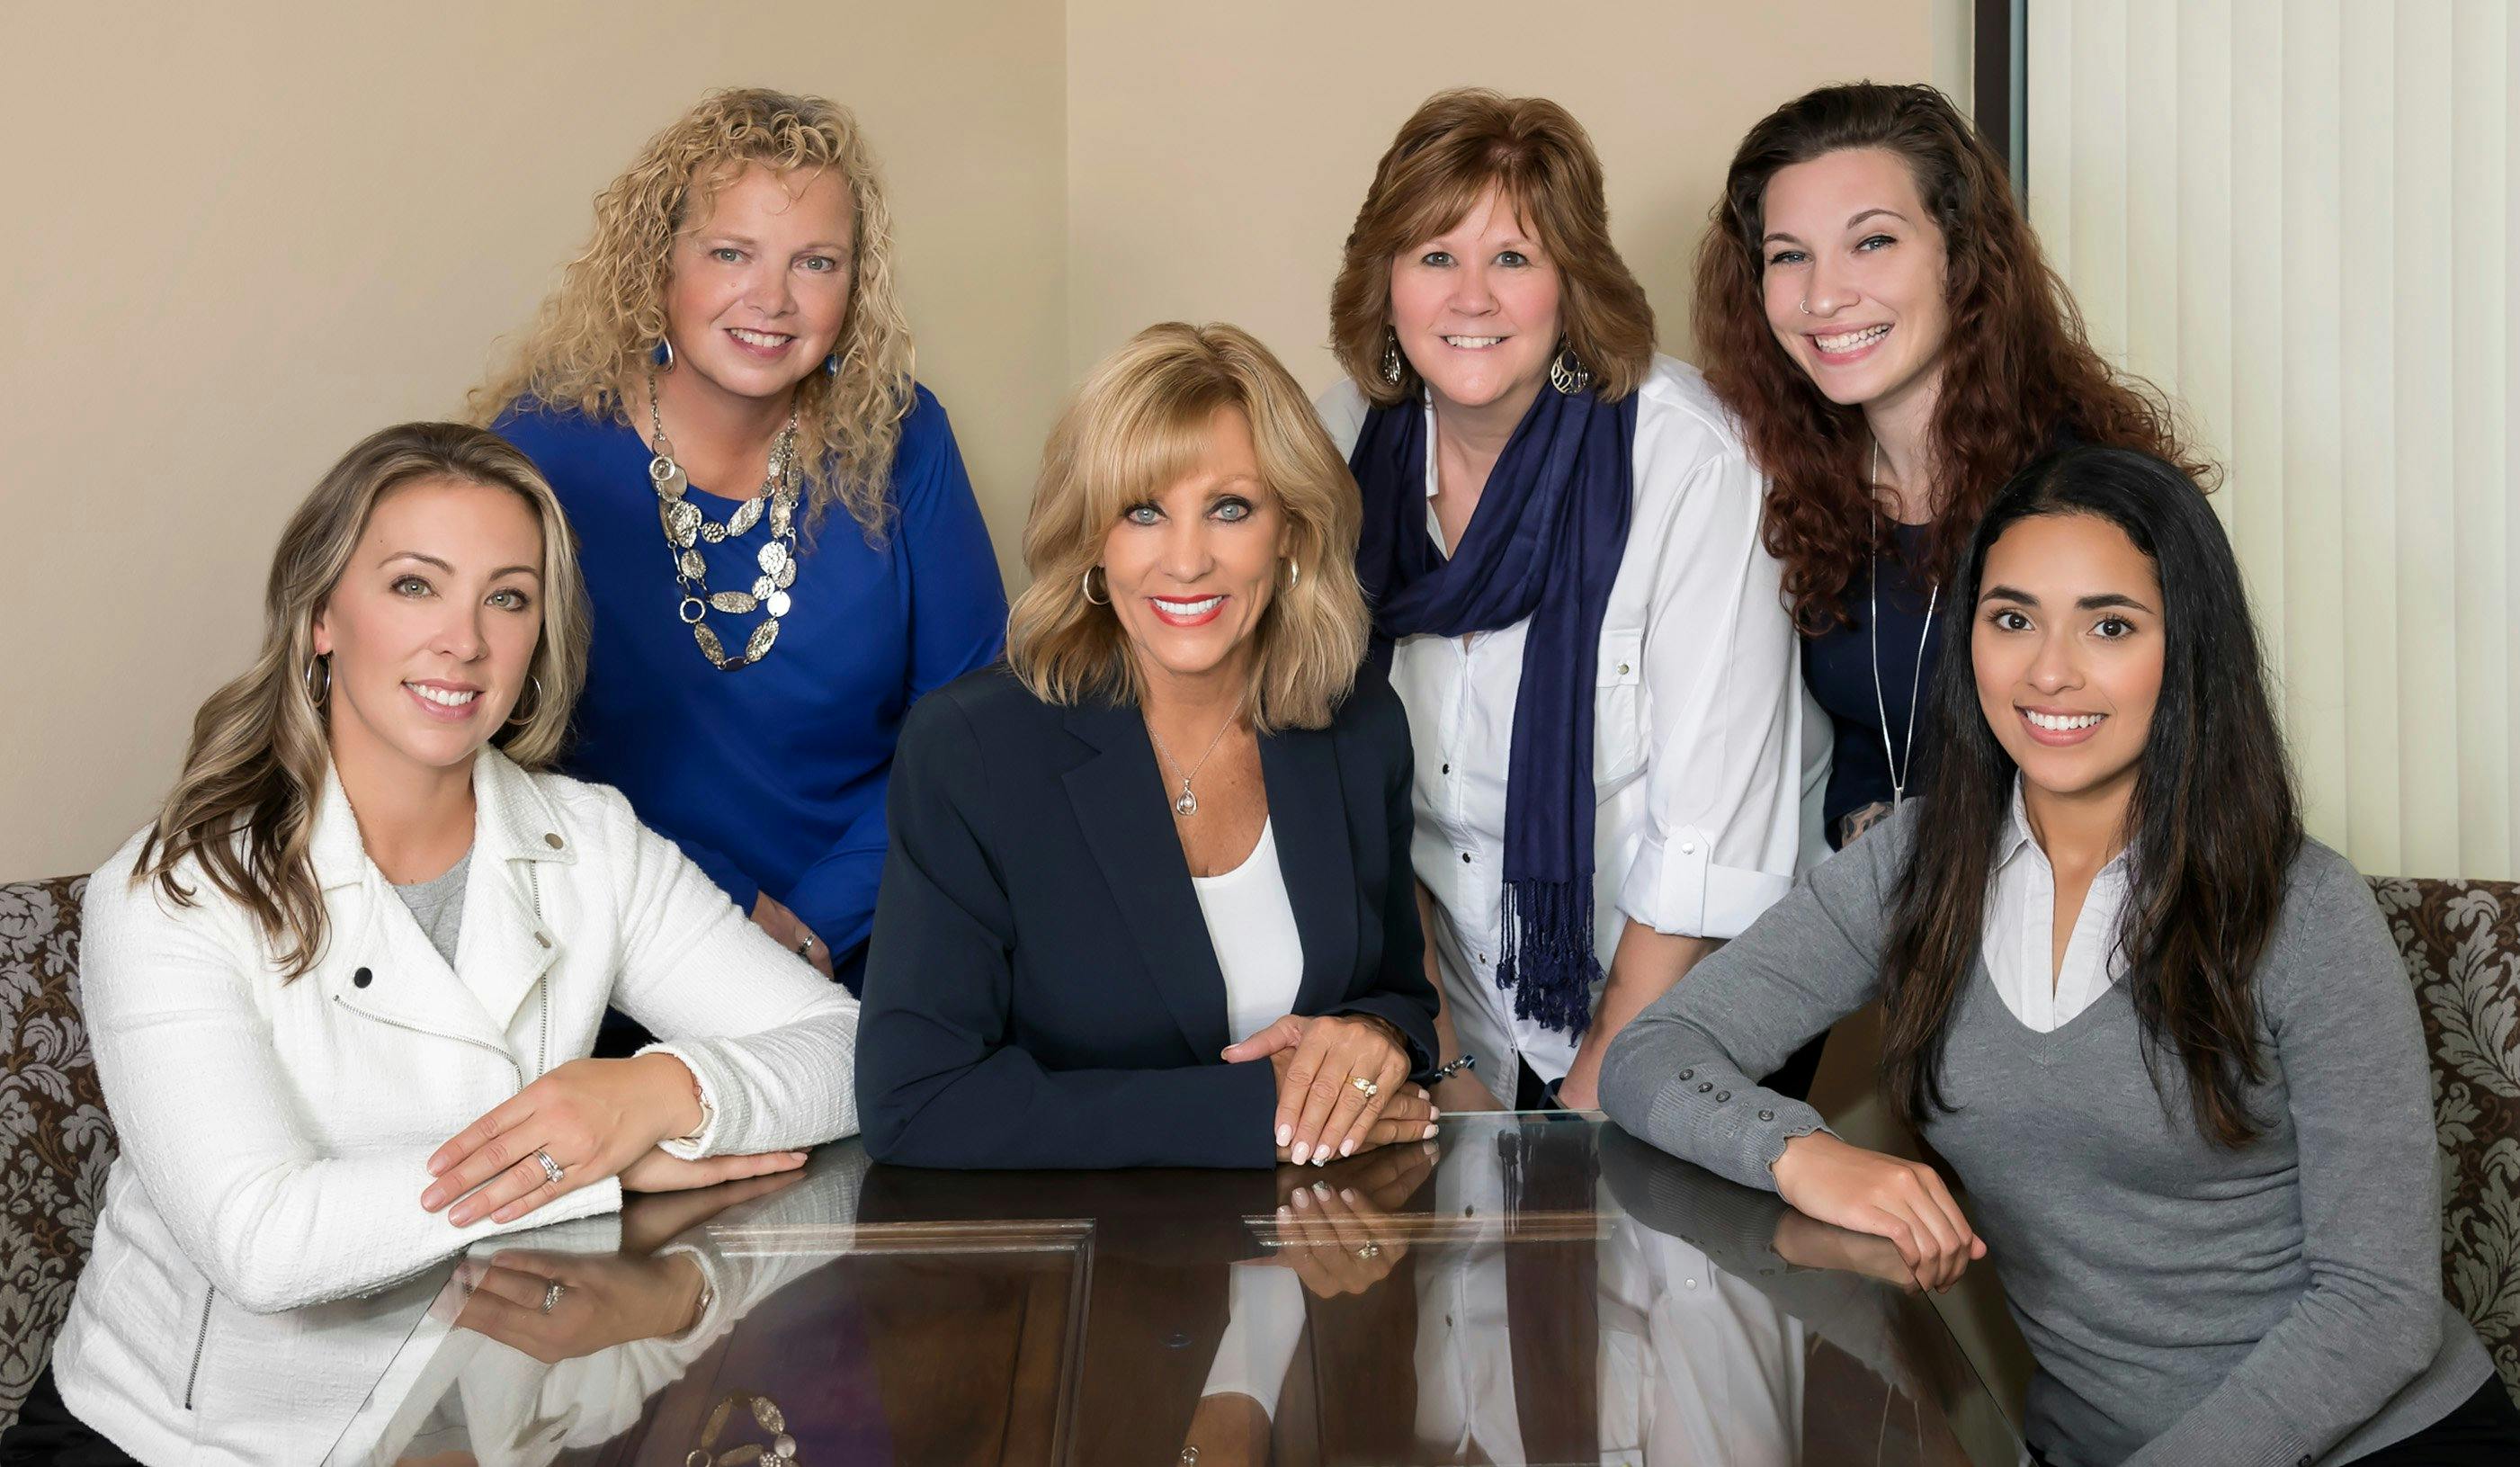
(2279, 1305)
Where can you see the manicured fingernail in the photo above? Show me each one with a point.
(1430, 1130)
(1347, 1193)
(1301, 1151)
(1285, 1212)
(1285, 1134)
(1434, 1112)
(1421, 1092)
(1321, 1157)
(1321, 1189)
(1303, 1198)
(1347, 1148)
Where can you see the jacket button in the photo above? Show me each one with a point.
(551, 841)
(1705, 1085)
(362, 979)
(1767, 1115)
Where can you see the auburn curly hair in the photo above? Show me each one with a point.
(589, 346)
(2016, 365)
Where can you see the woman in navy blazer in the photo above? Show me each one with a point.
(1147, 900)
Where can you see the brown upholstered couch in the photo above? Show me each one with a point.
(2461, 939)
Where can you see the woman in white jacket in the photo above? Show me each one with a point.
(341, 991)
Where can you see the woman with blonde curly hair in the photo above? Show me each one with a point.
(1148, 902)
(1560, 544)
(723, 365)
(343, 989)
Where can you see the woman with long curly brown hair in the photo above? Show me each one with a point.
(726, 362)
(1874, 309)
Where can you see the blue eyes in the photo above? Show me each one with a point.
(815, 264)
(1230, 511)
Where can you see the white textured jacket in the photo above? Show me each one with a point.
(275, 1134)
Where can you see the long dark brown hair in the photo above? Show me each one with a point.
(2211, 829)
(2016, 366)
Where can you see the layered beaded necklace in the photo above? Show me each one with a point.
(686, 525)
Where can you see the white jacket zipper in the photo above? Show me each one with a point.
(200, 1342)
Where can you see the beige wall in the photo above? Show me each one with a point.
(242, 236)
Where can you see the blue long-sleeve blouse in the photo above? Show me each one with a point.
(770, 777)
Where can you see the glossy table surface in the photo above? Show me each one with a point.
(1524, 1289)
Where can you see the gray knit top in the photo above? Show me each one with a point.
(2280, 1303)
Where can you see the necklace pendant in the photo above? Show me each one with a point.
(1187, 804)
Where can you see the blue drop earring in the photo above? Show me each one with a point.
(663, 355)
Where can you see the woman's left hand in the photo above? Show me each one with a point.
(592, 1117)
(1323, 1111)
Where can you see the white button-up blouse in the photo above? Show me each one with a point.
(1708, 762)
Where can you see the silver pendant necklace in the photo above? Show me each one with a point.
(685, 525)
(1903, 764)
(1187, 804)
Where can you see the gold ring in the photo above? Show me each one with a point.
(1367, 1088)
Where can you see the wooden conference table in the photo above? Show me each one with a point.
(1528, 1288)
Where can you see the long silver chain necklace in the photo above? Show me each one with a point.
(1900, 765)
(685, 525)
(1187, 804)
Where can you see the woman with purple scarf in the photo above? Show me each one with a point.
(1615, 770)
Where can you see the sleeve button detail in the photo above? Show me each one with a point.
(1705, 1085)
(1688, 1074)
(1722, 1096)
(550, 840)
(1767, 1115)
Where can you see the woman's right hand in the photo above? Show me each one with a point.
(1868, 1192)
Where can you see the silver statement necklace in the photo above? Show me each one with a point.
(1903, 763)
(1187, 804)
(685, 525)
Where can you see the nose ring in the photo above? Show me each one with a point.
(1805, 302)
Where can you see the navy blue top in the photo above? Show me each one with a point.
(770, 777)
(1838, 666)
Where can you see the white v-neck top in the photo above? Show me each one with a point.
(1252, 924)
(2019, 939)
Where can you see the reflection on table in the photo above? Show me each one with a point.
(1526, 1289)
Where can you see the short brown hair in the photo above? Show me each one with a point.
(1537, 156)
(1140, 423)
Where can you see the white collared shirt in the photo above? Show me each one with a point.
(1708, 762)
(2019, 936)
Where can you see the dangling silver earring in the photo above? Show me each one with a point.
(1091, 599)
(1568, 374)
(664, 356)
(1390, 357)
(323, 661)
(520, 720)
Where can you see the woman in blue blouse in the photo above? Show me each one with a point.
(777, 533)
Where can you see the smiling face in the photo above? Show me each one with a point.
(433, 626)
(1854, 277)
(2068, 646)
(1191, 570)
(759, 290)
(1475, 310)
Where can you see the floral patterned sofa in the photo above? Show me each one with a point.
(2461, 939)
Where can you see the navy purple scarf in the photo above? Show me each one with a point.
(1545, 544)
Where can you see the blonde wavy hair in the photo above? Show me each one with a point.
(243, 810)
(590, 344)
(1540, 159)
(1136, 426)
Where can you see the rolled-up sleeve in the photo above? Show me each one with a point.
(1722, 682)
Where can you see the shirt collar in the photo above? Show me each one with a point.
(512, 820)
(2016, 835)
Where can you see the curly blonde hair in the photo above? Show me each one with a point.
(1140, 423)
(589, 346)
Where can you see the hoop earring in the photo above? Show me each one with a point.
(1090, 599)
(1390, 357)
(520, 720)
(324, 660)
(664, 356)
(1568, 374)
(1295, 573)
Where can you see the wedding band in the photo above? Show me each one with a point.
(551, 1295)
(806, 949)
(1366, 1086)
(1369, 1250)
(551, 1168)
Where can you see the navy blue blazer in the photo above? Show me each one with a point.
(1039, 988)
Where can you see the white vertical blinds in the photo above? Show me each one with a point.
(2299, 218)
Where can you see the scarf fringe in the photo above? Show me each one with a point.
(1548, 958)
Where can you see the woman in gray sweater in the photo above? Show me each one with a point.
(2162, 1038)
